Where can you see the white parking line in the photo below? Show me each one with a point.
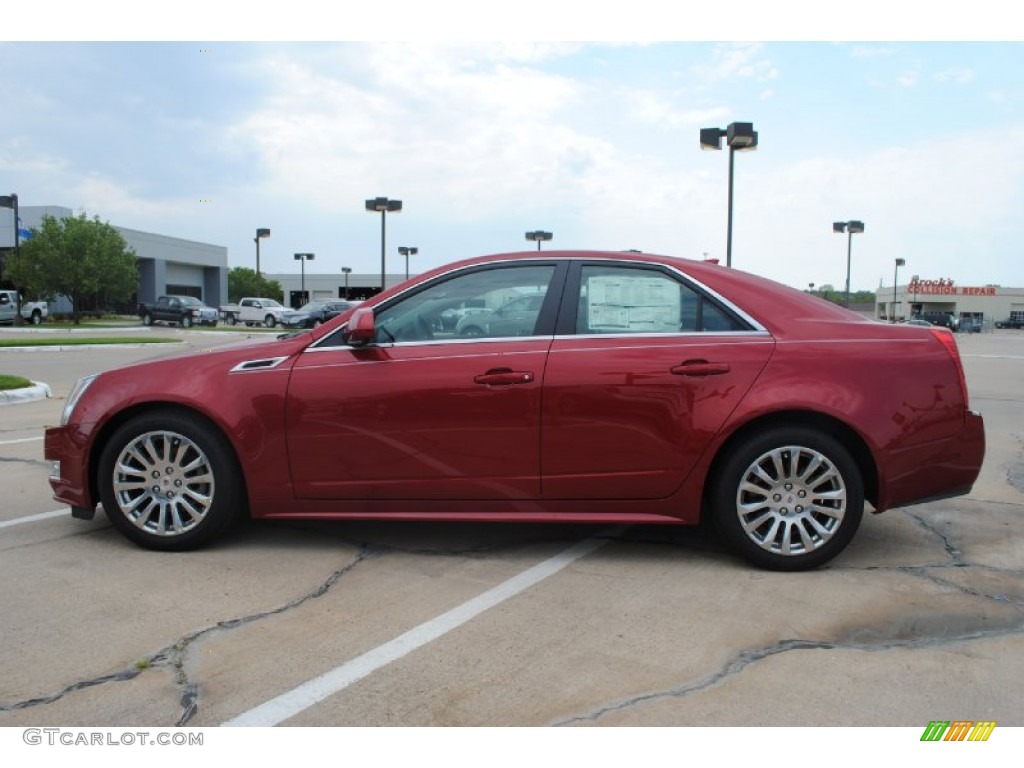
(36, 518)
(20, 440)
(306, 695)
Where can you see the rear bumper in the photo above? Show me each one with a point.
(935, 470)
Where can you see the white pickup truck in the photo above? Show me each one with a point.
(253, 311)
(31, 311)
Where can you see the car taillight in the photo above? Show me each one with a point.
(945, 337)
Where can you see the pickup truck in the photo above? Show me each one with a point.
(254, 311)
(185, 311)
(30, 311)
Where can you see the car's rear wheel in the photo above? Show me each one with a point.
(170, 481)
(472, 332)
(37, 317)
(147, 319)
(789, 499)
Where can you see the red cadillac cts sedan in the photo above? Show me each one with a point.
(563, 386)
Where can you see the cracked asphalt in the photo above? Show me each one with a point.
(921, 618)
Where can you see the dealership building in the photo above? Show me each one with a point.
(167, 265)
(972, 305)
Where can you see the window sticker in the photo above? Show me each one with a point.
(618, 303)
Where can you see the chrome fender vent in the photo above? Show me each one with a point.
(263, 364)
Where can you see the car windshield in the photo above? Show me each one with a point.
(191, 301)
(313, 306)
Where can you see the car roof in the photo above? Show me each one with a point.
(779, 308)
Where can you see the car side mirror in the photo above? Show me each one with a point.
(361, 328)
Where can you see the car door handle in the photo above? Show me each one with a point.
(503, 377)
(699, 368)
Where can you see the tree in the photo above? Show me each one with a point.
(86, 260)
(243, 281)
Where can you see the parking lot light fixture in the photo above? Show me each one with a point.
(851, 228)
(539, 236)
(407, 252)
(739, 137)
(384, 206)
(303, 258)
(260, 234)
(346, 271)
(895, 280)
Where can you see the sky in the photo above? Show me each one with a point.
(152, 128)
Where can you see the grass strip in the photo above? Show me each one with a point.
(84, 342)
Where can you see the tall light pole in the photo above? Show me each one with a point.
(407, 252)
(740, 137)
(260, 234)
(384, 205)
(851, 227)
(895, 278)
(346, 271)
(304, 257)
(539, 236)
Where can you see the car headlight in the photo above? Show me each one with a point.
(75, 395)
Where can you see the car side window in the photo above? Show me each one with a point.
(624, 299)
(493, 302)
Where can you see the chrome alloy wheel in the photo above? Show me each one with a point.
(163, 483)
(791, 500)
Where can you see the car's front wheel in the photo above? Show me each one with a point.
(186, 321)
(269, 321)
(37, 317)
(170, 481)
(789, 499)
(147, 319)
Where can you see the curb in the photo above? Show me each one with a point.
(38, 391)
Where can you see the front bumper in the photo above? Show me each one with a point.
(67, 448)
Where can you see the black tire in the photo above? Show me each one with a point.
(231, 320)
(186, 322)
(147, 319)
(472, 332)
(789, 499)
(269, 321)
(37, 317)
(169, 481)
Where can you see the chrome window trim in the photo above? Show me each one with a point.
(757, 329)
(752, 335)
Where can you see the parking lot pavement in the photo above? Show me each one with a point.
(921, 618)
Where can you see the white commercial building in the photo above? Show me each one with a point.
(167, 265)
(972, 305)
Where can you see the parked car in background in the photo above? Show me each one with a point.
(941, 319)
(185, 311)
(314, 314)
(1011, 322)
(254, 311)
(12, 306)
(609, 388)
